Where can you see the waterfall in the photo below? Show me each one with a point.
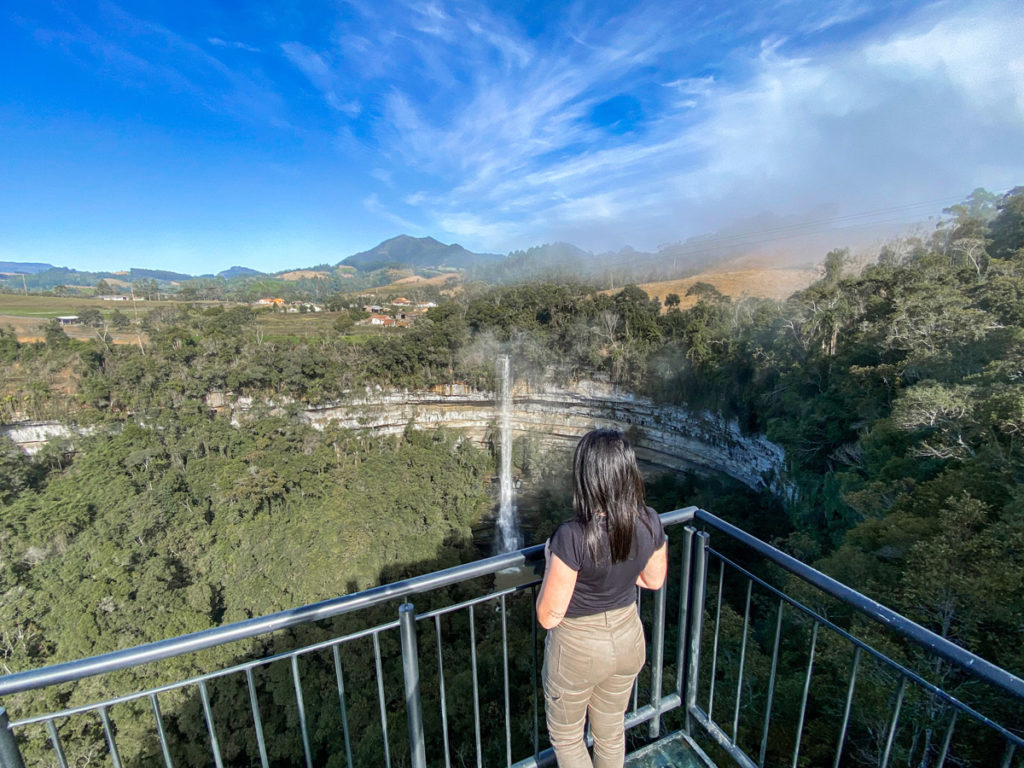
(508, 529)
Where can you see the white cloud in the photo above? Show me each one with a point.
(922, 111)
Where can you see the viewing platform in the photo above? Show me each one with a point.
(754, 659)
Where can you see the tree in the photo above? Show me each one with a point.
(103, 288)
(119, 319)
(54, 335)
(672, 300)
(836, 261)
(1007, 228)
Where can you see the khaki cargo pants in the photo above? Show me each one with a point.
(590, 664)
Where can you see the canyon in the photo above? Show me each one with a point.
(666, 437)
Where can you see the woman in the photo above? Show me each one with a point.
(595, 644)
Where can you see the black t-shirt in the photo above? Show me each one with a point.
(606, 586)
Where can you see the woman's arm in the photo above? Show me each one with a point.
(555, 591)
(653, 574)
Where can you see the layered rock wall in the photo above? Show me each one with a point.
(665, 437)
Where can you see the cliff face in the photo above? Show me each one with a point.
(666, 437)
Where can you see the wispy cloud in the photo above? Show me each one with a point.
(321, 75)
(237, 44)
(373, 205)
(870, 121)
(144, 54)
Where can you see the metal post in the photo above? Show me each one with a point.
(411, 673)
(700, 581)
(10, 755)
(684, 607)
(657, 660)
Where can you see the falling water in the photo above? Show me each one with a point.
(508, 529)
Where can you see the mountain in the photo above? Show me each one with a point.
(227, 274)
(405, 251)
(23, 267)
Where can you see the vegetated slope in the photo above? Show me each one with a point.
(897, 392)
(406, 251)
(302, 274)
(237, 271)
(23, 267)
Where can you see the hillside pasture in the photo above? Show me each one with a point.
(776, 284)
(28, 315)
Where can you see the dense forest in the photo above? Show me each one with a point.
(895, 387)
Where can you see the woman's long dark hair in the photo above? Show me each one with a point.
(607, 493)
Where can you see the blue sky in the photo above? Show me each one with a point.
(197, 136)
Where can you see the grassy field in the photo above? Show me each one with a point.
(46, 307)
(28, 315)
(756, 283)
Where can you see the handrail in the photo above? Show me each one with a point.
(873, 609)
(242, 630)
(209, 638)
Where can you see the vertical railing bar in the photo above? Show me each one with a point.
(743, 658)
(771, 685)
(947, 739)
(894, 723)
(476, 687)
(55, 741)
(854, 667)
(257, 719)
(380, 698)
(115, 756)
(636, 680)
(536, 703)
(714, 645)
(300, 700)
(339, 678)
(658, 659)
(10, 755)
(807, 689)
(504, 654)
(160, 732)
(684, 607)
(700, 577)
(204, 695)
(444, 700)
(1008, 756)
(411, 680)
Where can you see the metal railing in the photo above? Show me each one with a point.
(475, 699)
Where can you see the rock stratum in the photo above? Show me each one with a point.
(665, 437)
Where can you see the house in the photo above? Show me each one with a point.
(270, 302)
(114, 297)
(401, 301)
(68, 319)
